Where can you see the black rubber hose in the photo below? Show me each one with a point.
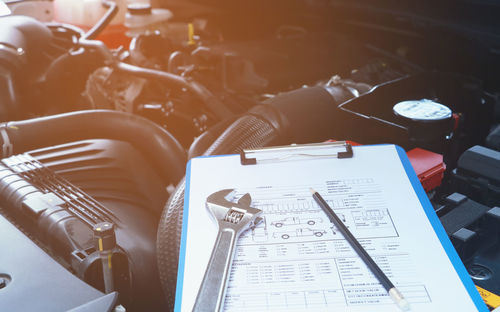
(179, 82)
(203, 142)
(148, 73)
(312, 111)
(211, 102)
(104, 21)
(250, 131)
(157, 144)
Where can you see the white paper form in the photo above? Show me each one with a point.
(296, 259)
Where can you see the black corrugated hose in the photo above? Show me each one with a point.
(263, 126)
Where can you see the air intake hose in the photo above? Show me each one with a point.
(249, 131)
(303, 115)
(158, 146)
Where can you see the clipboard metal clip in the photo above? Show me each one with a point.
(339, 149)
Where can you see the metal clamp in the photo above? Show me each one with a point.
(7, 147)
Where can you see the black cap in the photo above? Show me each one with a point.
(104, 236)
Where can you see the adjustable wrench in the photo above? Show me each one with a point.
(232, 219)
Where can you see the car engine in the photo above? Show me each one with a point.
(95, 135)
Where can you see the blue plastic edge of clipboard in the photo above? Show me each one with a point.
(440, 232)
(422, 197)
(182, 251)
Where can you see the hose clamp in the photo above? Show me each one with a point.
(7, 148)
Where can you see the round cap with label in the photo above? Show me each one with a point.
(422, 110)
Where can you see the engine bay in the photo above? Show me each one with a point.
(93, 133)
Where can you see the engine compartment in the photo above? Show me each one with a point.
(115, 127)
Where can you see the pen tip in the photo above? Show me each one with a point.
(312, 190)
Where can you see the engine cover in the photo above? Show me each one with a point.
(110, 181)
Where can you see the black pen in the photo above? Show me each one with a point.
(379, 274)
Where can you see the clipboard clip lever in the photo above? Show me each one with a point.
(338, 149)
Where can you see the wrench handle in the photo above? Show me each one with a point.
(212, 291)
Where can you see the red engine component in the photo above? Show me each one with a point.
(428, 166)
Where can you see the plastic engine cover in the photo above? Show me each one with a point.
(59, 193)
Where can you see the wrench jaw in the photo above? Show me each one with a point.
(217, 212)
(238, 216)
(249, 219)
(219, 198)
(218, 205)
(245, 200)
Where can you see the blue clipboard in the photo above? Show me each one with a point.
(441, 233)
(423, 199)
